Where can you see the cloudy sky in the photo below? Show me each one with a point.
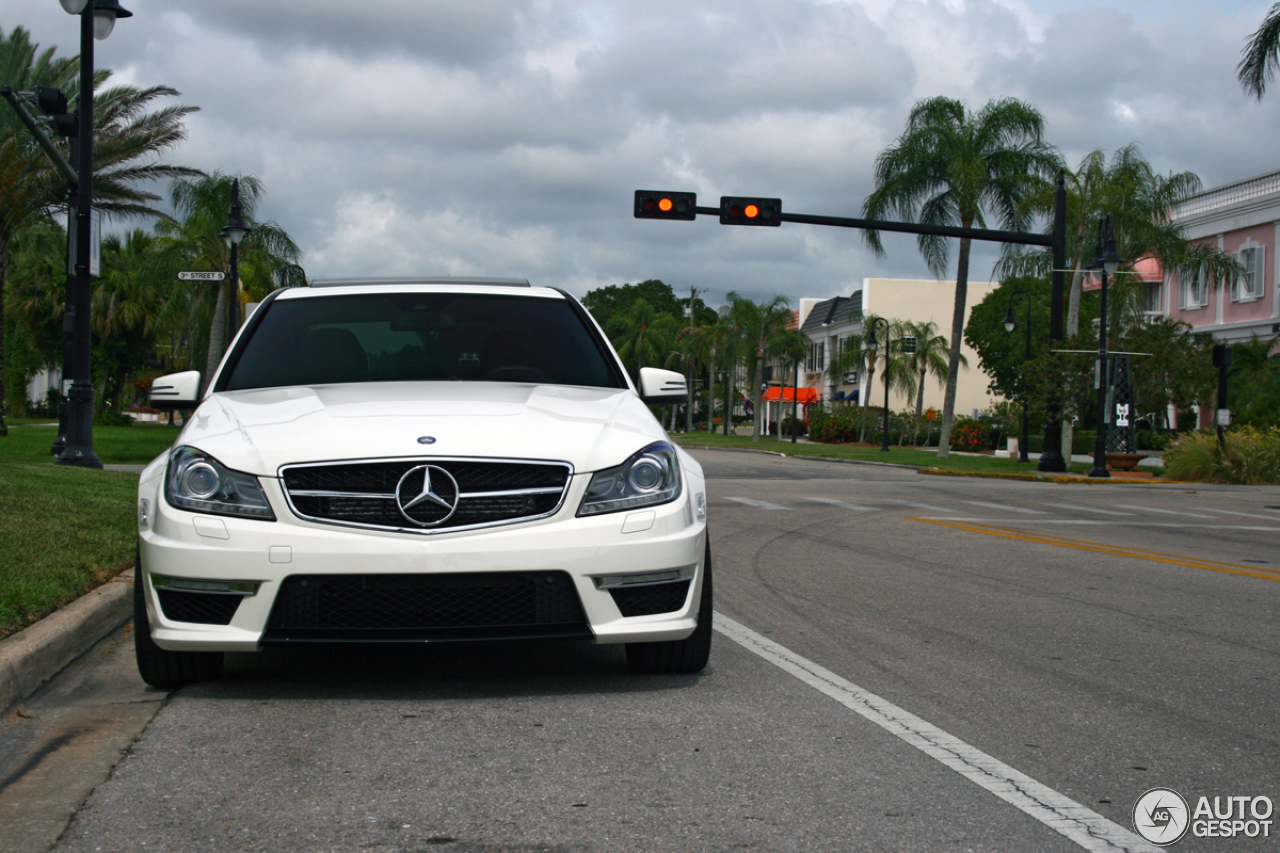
(472, 137)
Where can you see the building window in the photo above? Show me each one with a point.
(822, 355)
(908, 344)
(1195, 290)
(1153, 297)
(1248, 285)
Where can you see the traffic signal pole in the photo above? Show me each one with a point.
(655, 204)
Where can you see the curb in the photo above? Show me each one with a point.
(1056, 478)
(36, 654)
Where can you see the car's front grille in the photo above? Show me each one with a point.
(650, 599)
(426, 495)
(463, 606)
(203, 608)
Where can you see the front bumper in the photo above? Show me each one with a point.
(260, 556)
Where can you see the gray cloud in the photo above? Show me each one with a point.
(395, 136)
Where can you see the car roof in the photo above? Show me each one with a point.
(449, 280)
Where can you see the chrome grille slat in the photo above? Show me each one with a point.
(361, 493)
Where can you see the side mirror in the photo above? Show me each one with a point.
(663, 387)
(176, 391)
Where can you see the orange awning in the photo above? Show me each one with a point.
(787, 394)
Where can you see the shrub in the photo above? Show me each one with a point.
(1251, 457)
(972, 436)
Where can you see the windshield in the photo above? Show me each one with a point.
(417, 337)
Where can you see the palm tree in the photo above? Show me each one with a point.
(707, 343)
(127, 140)
(1261, 55)
(642, 335)
(760, 329)
(929, 357)
(947, 168)
(268, 257)
(1142, 202)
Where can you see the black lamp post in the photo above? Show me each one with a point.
(1009, 324)
(872, 343)
(97, 18)
(1108, 260)
(233, 233)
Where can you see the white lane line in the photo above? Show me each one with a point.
(1007, 508)
(1162, 511)
(844, 504)
(760, 504)
(1245, 514)
(918, 506)
(1088, 509)
(1060, 813)
(1089, 522)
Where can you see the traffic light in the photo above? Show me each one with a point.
(741, 210)
(52, 101)
(654, 204)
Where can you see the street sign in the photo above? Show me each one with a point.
(1224, 417)
(201, 276)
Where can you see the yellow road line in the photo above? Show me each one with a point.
(1117, 550)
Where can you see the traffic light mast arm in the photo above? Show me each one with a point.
(1024, 238)
(41, 137)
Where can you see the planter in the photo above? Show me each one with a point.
(1124, 461)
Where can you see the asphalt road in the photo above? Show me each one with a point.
(904, 662)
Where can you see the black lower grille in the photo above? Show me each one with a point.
(647, 600)
(203, 608)
(467, 606)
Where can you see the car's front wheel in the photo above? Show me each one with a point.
(679, 656)
(161, 668)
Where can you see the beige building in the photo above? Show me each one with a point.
(829, 323)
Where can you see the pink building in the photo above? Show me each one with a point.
(1242, 218)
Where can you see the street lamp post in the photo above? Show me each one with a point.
(97, 18)
(872, 343)
(1108, 260)
(233, 233)
(1009, 323)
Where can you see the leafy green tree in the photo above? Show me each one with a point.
(953, 167)
(1261, 55)
(1002, 354)
(709, 341)
(606, 302)
(759, 329)
(128, 137)
(268, 257)
(1253, 392)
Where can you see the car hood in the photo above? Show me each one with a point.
(260, 430)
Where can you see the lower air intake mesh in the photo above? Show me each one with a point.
(647, 600)
(465, 606)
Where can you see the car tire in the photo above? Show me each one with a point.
(679, 656)
(161, 668)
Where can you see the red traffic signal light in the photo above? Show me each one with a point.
(742, 210)
(654, 204)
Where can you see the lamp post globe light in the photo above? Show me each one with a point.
(1009, 324)
(872, 344)
(234, 231)
(97, 19)
(1107, 259)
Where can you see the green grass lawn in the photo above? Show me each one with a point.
(925, 458)
(64, 530)
(132, 445)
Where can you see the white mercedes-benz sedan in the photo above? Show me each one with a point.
(420, 461)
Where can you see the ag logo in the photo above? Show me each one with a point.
(427, 495)
(1161, 816)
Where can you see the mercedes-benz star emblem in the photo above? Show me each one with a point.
(427, 495)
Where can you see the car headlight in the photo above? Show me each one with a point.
(199, 483)
(648, 478)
